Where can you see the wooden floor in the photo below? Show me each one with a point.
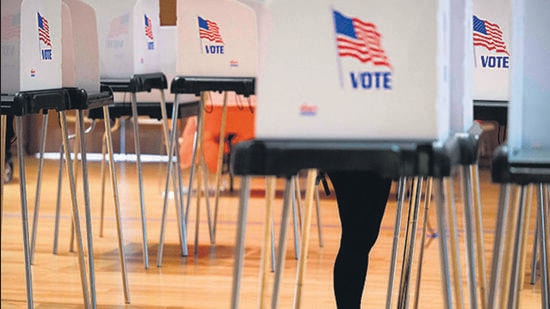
(202, 280)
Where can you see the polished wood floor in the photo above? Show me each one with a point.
(201, 280)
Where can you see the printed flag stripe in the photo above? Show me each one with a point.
(44, 30)
(209, 30)
(148, 28)
(488, 35)
(359, 39)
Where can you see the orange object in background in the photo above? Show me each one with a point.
(239, 121)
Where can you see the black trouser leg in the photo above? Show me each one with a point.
(362, 198)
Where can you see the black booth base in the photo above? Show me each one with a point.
(197, 84)
(391, 159)
(137, 83)
(503, 171)
(151, 109)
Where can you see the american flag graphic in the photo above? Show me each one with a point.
(10, 27)
(488, 35)
(119, 25)
(148, 28)
(44, 30)
(359, 39)
(209, 30)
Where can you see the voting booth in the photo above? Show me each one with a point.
(525, 160)
(491, 41)
(128, 34)
(31, 83)
(387, 69)
(31, 45)
(340, 87)
(80, 52)
(528, 137)
(81, 80)
(216, 38)
(216, 51)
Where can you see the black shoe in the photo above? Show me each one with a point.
(8, 171)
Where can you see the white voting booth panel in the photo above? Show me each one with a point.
(31, 45)
(461, 73)
(529, 107)
(355, 70)
(80, 46)
(168, 51)
(216, 38)
(167, 45)
(491, 39)
(128, 34)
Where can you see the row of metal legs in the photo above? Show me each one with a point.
(80, 137)
(447, 234)
(89, 291)
(23, 196)
(89, 299)
(512, 223)
(183, 211)
(198, 178)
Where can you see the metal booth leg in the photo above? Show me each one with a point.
(409, 245)
(279, 268)
(480, 239)
(103, 161)
(239, 243)
(3, 120)
(182, 225)
(544, 245)
(452, 228)
(87, 212)
(39, 182)
(513, 291)
(114, 189)
(442, 230)
(395, 242)
(76, 216)
(102, 176)
(170, 140)
(268, 243)
(297, 214)
(470, 234)
(535, 252)
(423, 240)
(140, 181)
(219, 167)
(319, 225)
(58, 199)
(197, 149)
(502, 214)
(24, 213)
(311, 187)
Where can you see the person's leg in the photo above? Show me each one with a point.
(362, 198)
